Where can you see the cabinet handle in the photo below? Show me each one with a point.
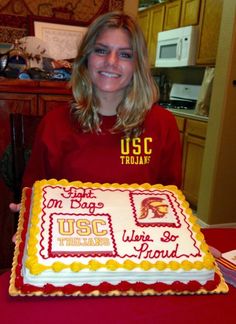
(234, 82)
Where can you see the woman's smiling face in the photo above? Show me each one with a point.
(111, 63)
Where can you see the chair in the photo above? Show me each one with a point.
(16, 155)
(23, 128)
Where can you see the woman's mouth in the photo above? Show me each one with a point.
(109, 74)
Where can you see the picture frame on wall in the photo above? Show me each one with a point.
(62, 36)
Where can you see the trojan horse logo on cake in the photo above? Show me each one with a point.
(154, 209)
(156, 205)
(136, 150)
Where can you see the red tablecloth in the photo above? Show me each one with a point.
(199, 309)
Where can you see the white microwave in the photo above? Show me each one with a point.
(177, 47)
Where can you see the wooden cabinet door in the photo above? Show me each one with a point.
(181, 126)
(144, 22)
(47, 102)
(172, 15)
(13, 102)
(194, 142)
(210, 20)
(190, 12)
(156, 25)
(18, 103)
(192, 165)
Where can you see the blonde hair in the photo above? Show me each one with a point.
(139, 96)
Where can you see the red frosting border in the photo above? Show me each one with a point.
(103, 288)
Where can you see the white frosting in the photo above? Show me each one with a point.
(96, 277)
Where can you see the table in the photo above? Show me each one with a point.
(196, 309)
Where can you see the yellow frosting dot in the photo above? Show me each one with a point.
(32, 232)
(209, 263)
(205, 248)
(160, 265)
(195, 227)
(27, 263)
(112, 265)
(192, 219)
(44, 182)
(76, 266)
(34, 222)
(186, 265)
(145, 265)
(32, 250)
(94, 265)
(31, 260)
(198, 265)
(174, 265)
(129, 265)
(57, 266)
(200, 237)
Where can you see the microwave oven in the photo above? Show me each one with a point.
(177, 47)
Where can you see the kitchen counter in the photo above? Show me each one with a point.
(188, 113)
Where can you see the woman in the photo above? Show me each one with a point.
(114, 131)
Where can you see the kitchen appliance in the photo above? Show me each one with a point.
(177, 47)
(182, 96)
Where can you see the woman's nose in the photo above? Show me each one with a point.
(112, 58)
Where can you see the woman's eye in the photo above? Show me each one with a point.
(126, 55)
(100, 51)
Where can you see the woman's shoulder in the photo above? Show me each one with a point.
(58, 112)
(57, 117)
(56, 123)
(158, 114)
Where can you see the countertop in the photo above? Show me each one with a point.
(188, 113)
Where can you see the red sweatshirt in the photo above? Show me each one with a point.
(62, 152)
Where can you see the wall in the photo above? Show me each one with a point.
(217, 189)
(15, 24)
(83, 10)
(188, 75)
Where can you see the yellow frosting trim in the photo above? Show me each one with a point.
(36, 268)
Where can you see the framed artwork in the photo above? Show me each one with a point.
(62, 36)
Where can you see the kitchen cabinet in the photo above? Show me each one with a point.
(181, 126)
(190, 12)
(172, 15)
(156, 25)
(30, 98)
(210, 19)
(163, 17)
(179, 13)
(144, 22)
(192, 135)
(193, 150)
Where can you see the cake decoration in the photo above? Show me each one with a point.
(82, 239)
